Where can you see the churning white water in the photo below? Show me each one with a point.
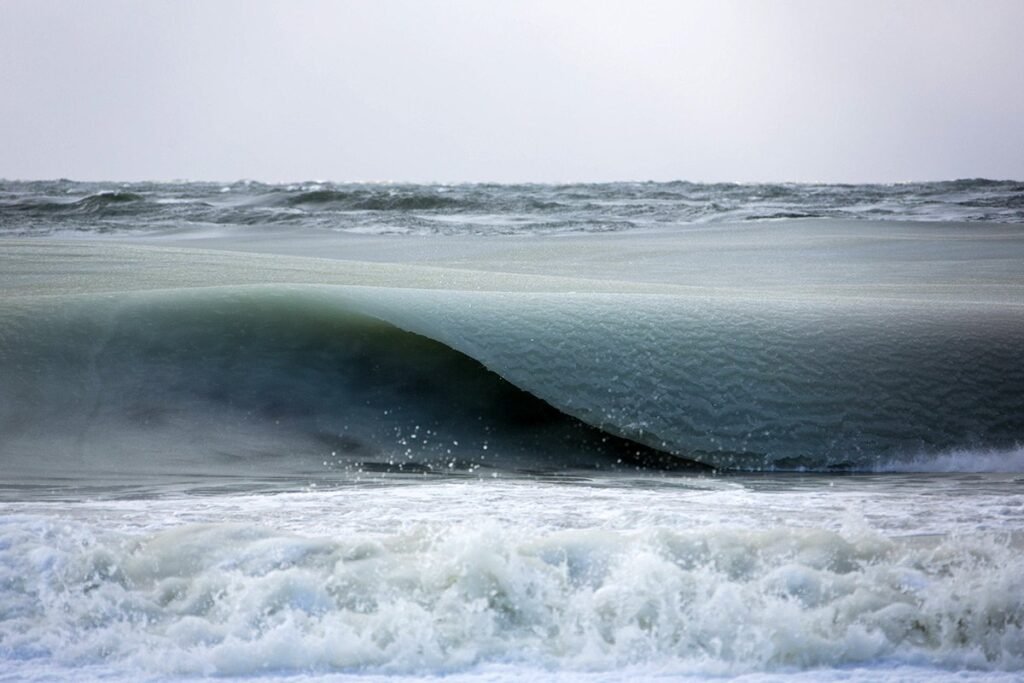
(606, 578)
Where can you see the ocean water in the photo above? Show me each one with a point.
(633, 431)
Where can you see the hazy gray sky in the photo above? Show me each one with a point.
(810, 90)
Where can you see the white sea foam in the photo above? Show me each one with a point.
(490, 580)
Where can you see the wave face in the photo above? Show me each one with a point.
(755, 384)
(338, 376)
(31, 208)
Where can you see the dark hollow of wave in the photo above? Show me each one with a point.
(269, 387)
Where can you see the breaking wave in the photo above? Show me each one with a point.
(300, 377)
(281, 383)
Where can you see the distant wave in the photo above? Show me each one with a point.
(90, 204)
(45, 207)
(779, 215)
(375, 201)
(107, 198)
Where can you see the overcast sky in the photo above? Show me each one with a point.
(844, 91)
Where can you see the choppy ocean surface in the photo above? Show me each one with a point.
(634, 431)
(382, 208)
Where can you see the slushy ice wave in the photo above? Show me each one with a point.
(723, 384)
(393, 595)
(115, 355)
